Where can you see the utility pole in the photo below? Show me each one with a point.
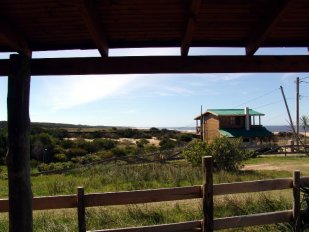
(297, 112)
(287, 109)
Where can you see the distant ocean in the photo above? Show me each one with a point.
(280, 128)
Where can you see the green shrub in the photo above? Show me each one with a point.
(75, 151)
(227, 153)
(185, 138)
(61, 157)
(167, 143)
(54, 166)
(195, 151)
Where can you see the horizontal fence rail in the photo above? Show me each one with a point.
(253, 220)
(182, 226)
(143, 196)
(81, 201)
(252, 186)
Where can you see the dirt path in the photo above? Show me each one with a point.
(268, 166)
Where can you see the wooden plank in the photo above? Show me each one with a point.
(55, 202)
(253, 220)
(191, 25)
(14, 38)
(182, 226)
(296, 201)
(252, 186)
(208, 204)
(267, 25)
(142, 196)
(4, 205)
(91, 19)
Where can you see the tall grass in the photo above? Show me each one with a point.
(119, 177)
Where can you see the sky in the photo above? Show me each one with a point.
(161, 100)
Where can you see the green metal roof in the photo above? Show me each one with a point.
(231, 112)
(253, 132)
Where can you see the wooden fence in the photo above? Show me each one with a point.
(206, 192)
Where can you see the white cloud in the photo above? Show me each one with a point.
(78, 90)
(175, 90)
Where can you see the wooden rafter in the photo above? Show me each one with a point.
(190, 27)
(91, 19)
(14, 38)
(267, 25)
(164, 64)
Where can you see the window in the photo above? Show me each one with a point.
(235, 121)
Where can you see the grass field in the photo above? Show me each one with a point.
(118, 177)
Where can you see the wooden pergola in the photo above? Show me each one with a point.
(46, 25)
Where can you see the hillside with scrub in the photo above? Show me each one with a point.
(138, 160)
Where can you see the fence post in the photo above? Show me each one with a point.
(296, 203)
(207, 194)
(81, 210)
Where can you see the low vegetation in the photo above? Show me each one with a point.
(121, 176)
(55, 149)
(227, 153)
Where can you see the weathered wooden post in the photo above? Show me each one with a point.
(81, 210)
(208, 194)
(296, 203)
(18, 156)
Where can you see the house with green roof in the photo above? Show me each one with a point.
(233, 123)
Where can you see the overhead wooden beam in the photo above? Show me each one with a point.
(190, 27)
(14, 38)
(164, 64)
(173, 64)
(267, 24)
(92, 21)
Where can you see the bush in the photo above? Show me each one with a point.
(118, 152)
(227, 153)
(60, 157)
(104, 144)
(194, 152)
(167, 143)
(54, 166)
(184, 138)
(74, 152)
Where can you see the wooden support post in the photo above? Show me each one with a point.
(81, 210)
(18, 156)
(208, 194)
(296, 203)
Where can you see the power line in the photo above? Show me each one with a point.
(272, 103)
(253, 99)
(304, 78)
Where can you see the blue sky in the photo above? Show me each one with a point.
(159, 100)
